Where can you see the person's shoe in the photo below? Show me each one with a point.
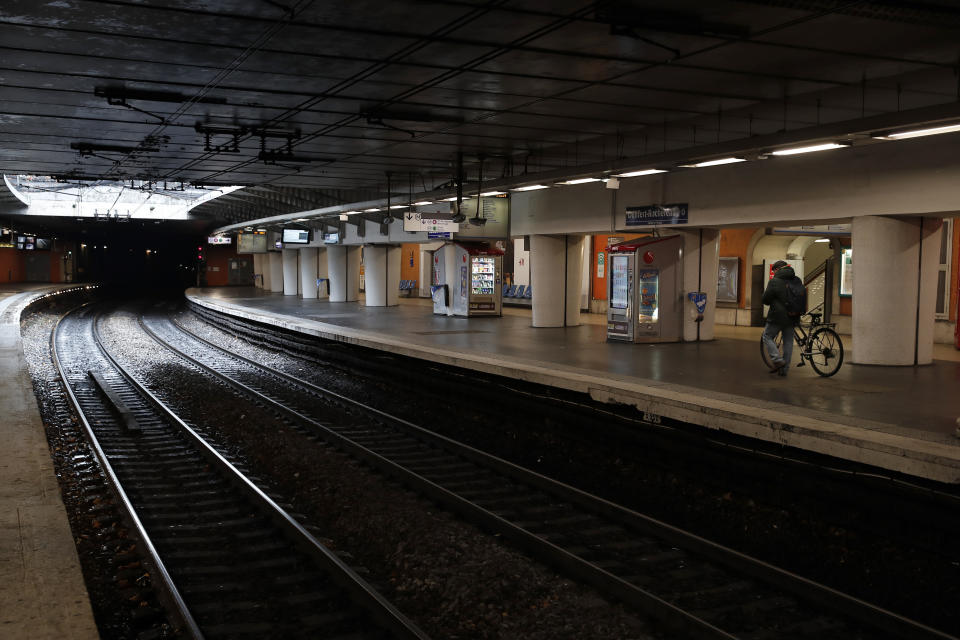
(776, 365)
(782, 372)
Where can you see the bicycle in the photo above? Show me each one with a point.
(815, 341)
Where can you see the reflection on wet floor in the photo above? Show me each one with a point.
(916, 399)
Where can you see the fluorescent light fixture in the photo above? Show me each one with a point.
(349, 213)
(580, 181)
(822, 240)
(713, 163)
(532, 187)
(302, 220)
(917, 133)
(399, 206)
(422, 203)
(450, 199)
(490, 194)
(371, 210)
(810, 148)
(641, 172)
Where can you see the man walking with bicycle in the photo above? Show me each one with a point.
(786, 297)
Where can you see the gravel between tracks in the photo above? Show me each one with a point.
(453, 580)
(789, 515)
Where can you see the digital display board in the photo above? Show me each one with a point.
(331, 238)
(296, 236)
(255, 242)
(619, 281)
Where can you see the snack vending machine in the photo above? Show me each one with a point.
(467, 280)
(644, 302)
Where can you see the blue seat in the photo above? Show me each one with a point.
(506, 288)
(529, 294)
(519, 292)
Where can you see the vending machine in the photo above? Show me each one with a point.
(645, 301)
(467, 279)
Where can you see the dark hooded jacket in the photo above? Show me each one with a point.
(775, 295)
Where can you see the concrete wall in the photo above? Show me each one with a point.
(902, 178)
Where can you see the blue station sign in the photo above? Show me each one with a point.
(653, 214)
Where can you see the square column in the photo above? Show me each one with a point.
(323, 274)
(556, 272)
(343, 265)
(308, 272)
(289, 257)
(258, 279)
(381, 275)
(895, 271)
(275, 262)
(701, 262)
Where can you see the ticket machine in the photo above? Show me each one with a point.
(645, 301)
(467, 279)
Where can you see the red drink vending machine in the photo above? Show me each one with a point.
(644, 302)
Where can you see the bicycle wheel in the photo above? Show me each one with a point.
(826, 352)
(763, 349)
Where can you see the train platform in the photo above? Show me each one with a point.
(900, 419)
(42, 592)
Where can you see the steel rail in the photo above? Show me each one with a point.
(645, 601)
(803, 588)
(167, 592)
(382, 611)
(388, 616)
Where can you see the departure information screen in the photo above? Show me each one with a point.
(619, 281)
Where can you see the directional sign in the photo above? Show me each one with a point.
(414, 221)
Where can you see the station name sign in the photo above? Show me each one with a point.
(653, 214)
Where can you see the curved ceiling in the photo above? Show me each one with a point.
(313, 103)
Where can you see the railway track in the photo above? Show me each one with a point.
(690, 584)
(230, 561)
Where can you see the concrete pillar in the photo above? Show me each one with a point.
(258, 270)
(343, 265)
(276, 271)
(308, 272)
(894, 291)
(323, 289)
(289, 258)
(426, 274)
(266, 272)
(556, 270)
(701, 259)
(299, 274)
(381, 275)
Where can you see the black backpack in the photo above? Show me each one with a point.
(796, 297)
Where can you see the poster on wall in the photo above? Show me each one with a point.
(846, 273)
(728, 279)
